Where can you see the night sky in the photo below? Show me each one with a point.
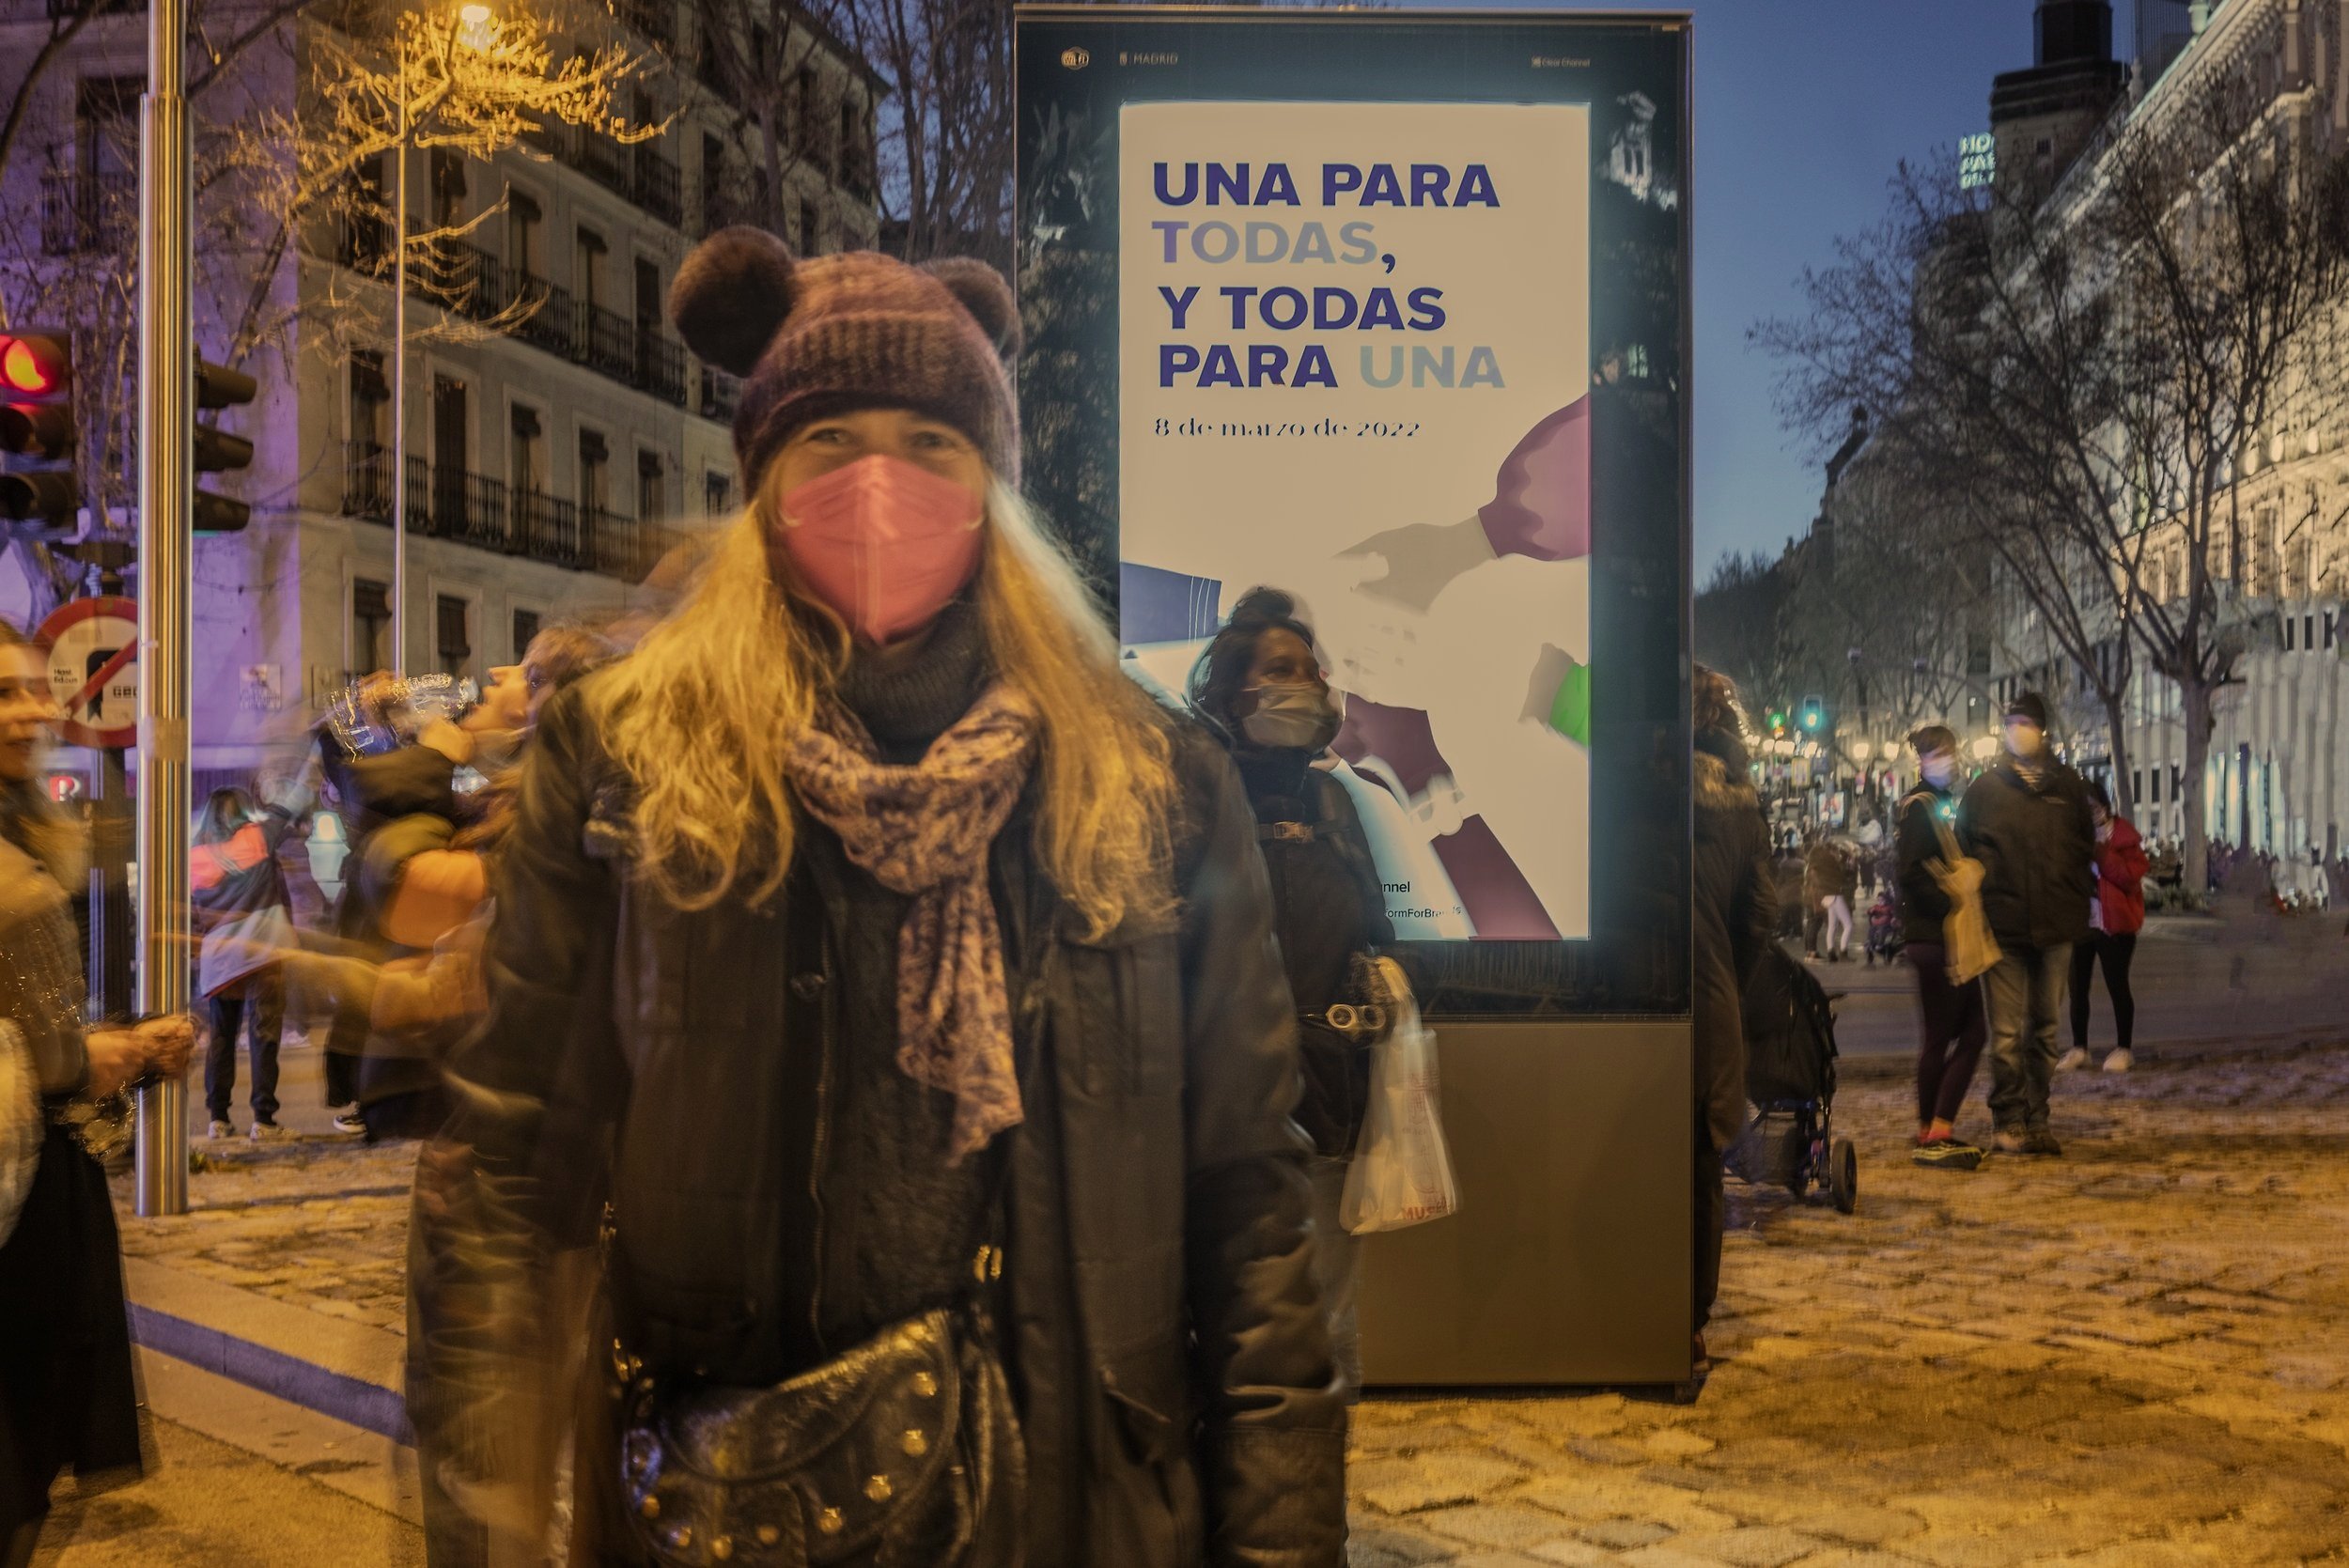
(1803, 108)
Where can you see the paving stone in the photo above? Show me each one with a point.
(1575, 1554)
(1625, 1535)
(1859, 1524)
(1514, 1525)
(1754, 1546)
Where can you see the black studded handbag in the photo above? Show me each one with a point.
(903, 1452)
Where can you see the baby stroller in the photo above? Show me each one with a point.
(1884, 929)
(1790, 1077)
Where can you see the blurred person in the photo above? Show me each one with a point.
(2027, 821)
(243, 918)
(1950, 1030)
(1828, 880)
(1736, 917)
(863, 919)
(2116, 913)
(68, 1396)
(1259, 686)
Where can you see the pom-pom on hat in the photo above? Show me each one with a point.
(828, 333)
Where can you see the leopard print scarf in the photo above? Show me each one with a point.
(924, 831)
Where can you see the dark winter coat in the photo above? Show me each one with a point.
(1737, 919)
(2037, 844)
(1162, 1327)
(1923, 905)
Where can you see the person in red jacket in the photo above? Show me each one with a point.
(2116, 914)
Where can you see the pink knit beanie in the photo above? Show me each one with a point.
(820, 336)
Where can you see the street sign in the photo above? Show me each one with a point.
(93, 647)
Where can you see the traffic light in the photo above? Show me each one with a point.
(37, 432)
(216, 450)
(1814, 716)
(1778, 721)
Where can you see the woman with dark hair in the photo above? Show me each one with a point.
(2115, 916)
(1258, 685)
(67, 1395)
(1735, 897)
(244, 920)
(1952, 1027)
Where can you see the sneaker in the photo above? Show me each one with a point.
(2039, 1140)
(220, 1129)
(269, 1132)
(351, 1121)
(2119, 1061)
(1947, 1154)
(2011, 1141)
(2073, 1060)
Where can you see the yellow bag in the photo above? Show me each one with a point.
(1968, 948)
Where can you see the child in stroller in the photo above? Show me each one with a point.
(1884, 928)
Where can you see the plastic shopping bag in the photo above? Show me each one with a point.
(1401, 1174)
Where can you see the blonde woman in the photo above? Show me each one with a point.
(916, 972)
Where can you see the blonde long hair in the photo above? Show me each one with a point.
(697, 717)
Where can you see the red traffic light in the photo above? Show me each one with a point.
(33, 365)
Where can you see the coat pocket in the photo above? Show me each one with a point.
(1147, 1394)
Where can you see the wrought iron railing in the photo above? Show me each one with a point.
(659, 366)
(489, 514)
(658, 188)
(80, 211)
(606, 341)
(604, 160)
(655, 19)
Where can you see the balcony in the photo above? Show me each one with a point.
(606, 342)
(604, 160)
(553, 324)
(659, 366)
(656, 187)
(82, 211)
(489, 514)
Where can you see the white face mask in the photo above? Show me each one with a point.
(1939, 771)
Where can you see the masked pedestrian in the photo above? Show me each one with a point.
(1951, 1026)
(245, 918)
(2116, 914)
(1259, 686)
(2027, 821)
(898, 980)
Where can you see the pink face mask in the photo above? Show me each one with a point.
(886, 543)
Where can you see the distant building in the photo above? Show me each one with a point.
(2042, 117)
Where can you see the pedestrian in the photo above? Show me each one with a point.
(68, 1394)
(2115, 915)
(244, 919)
(1736, 912)
(866, 917)
(1950, 1030)
(1258, 685)
(1827, 878)
(2027, 821)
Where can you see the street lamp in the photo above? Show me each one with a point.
(1862, 750)
(1985, 748)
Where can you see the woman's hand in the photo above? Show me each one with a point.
(120, 1057)
(170, 1041)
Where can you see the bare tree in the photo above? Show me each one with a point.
(2073, 382)
(945, 129)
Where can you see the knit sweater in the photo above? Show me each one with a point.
(898, 1225)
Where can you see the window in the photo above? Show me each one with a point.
(448, 188)
(525, 455)
(588, 268)
(2137, 784)
(370, 626)
(2307, 632)
(849, 164)
(716, 213)
(811, 231)
(652, 495)
(2330, 628)
(717, 492)
(811, 109)
(522, 225)
(526, 633)
(453, 641)
(2287, 634)
(2156, 797)
(595, 469)
(371, 403)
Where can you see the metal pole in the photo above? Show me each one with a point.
(400, 382)
(166, 517)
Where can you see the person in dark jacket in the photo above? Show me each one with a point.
(897, 981)
(243, 916)
(1737, 919)
(1259, 687)
(2027, 821)
(2115, 917)
(1951, 1026)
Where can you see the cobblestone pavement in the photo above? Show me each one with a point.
(2134, 1356)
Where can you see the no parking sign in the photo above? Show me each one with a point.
(92, 646)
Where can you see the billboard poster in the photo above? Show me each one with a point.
(1388, 311)
(1341, 379)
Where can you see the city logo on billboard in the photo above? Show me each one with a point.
(1076, 58)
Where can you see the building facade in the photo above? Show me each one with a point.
(560, 440)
